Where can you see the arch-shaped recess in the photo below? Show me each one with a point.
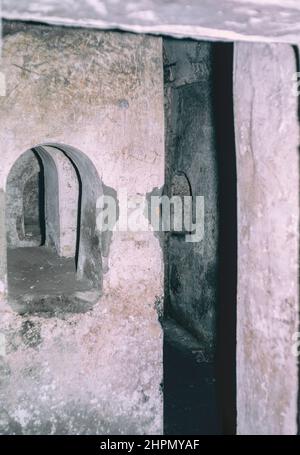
(88, 256)
(181, 188)
(71, 189)
(180, 185)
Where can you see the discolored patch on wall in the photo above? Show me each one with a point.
(106, 235)
(31, 333)
(156, 193)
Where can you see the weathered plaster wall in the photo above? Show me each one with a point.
(254, 20)
(267, 136)
(98, 372)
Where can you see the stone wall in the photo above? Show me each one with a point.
(98, 372)
(191, 150)
(201, 284)
(267, 137)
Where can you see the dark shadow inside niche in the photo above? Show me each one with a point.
(52, 262)
(34, 206)
(200, 279)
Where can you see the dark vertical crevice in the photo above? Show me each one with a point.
(297, 61)
(200, 353)
(78, 231)
(41, 190)
(227, 249)
(79, 205)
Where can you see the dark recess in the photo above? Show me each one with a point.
(200, 398)
(226, 312)
(41, 189)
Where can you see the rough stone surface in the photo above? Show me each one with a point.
(98, 372)
(191, 150)
(256, 20)
(267, 137)
(201, 284)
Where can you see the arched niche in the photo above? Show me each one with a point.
(64, 185)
